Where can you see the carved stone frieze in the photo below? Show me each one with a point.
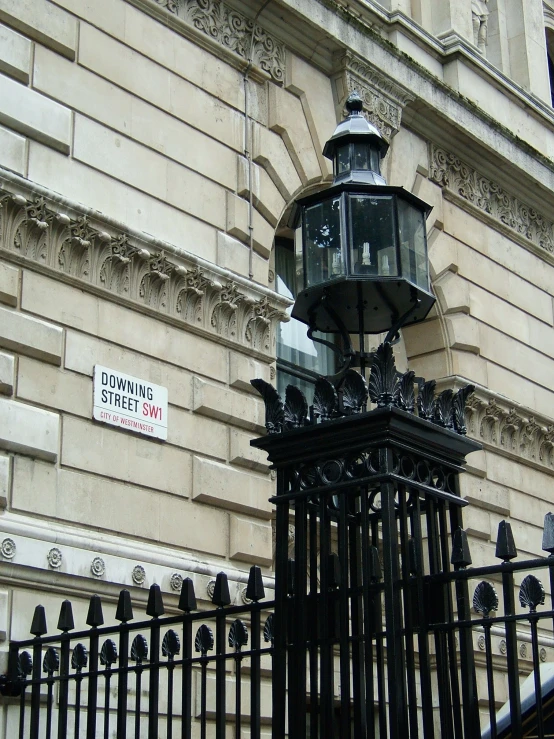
(383, 98)
(487, 196)
(232, 30)
(71, 245)
(511, 430)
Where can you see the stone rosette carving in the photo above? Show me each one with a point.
(72, 245)
(210, 589)
(138, 575)
(511, 429)
(383, 98)
(523, 650)
(55, 558)
(244, 598)
(451, 173)
(233, 31)
(98, 567)
(543, 654)
(8, 548)
(176, 582)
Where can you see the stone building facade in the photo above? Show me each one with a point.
(150, 151)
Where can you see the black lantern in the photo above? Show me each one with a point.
(363, 264)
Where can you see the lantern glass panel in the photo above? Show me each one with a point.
(413, 244)
(343, 159)
(373, 243)
(362, 154)
(324, 257)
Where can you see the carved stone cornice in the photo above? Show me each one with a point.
(232, 30)
(82, 250)
(514, 431)
(383, 98)
(485, 196)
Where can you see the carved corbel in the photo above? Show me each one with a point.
(383, 98)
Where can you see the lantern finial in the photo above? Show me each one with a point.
(354, 104)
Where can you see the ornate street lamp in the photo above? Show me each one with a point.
(361, 244)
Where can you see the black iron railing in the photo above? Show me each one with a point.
(193, 674)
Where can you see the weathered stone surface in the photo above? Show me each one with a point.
(241, 453)
(26, 335)
(91, 447)
(9, 280)
(218, 402)
(7, 372)
(250, 541)
(227, 487)
(13, 149)
(5, 479)
(43, 21)
(242, 369)
(34, 115)
(29, 430)
(51, 387)
(15, 54)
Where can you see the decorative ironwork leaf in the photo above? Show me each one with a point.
(238, 635)
(204, 641)
(485, 598)
(459, 407)
(108, 653)
(354, 392)
(274, 411)
(139, 649)
(269, 634)
(531, 593)
(405, 395)
(171, 644)
(443, 411)
(383, 381)
(426, 399)
(51, 661)
(296, 407)
(79, 657)
(325, 399)
(25, 664)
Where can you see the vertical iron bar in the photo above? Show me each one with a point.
(356, 615)
(170, 669)
(511, 655)
(490, 680)
(220, 701)
(369, 625)
(92, 697)
(203, 688)
(279, 682)
(35, 689)
(314, 602)
(22, 713)
(154, 681)
(255, 674)
(238, 696)
(138, 697)
(122, 681)
(186, 687)
(445, 707)
(533, 618)
(49, 706)
(327, 693)
(344, 621)
(423, 636)
(107, 675)
(396, 671)
(379, 651)
(403, 493)
(63, 693)
(297, 701)
(79, 680)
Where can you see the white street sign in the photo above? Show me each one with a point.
(129, 403)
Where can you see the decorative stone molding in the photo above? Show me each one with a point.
(176, 582)
(383, 98)
(210, 589)
(98, 567)
(485, 195)
(72, 245)
(8, 548)
(55, 558)
(511, 430)
(232, 30)
(138, 574)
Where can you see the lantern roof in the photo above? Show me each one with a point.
(356, 129)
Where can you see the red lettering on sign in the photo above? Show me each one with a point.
(152, 411)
